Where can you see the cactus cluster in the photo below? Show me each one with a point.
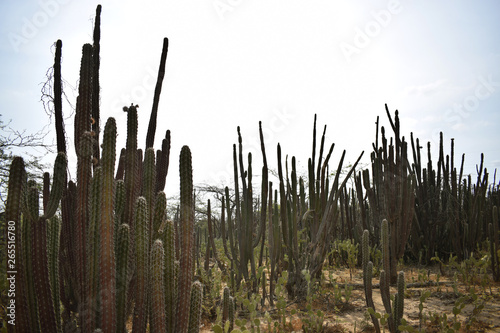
(110, 246)
(99, 252)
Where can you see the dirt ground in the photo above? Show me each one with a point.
(352, 316)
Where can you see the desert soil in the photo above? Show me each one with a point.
(351, 317)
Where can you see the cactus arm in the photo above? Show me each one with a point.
(150, 137)
(96, 47)
(54, 231)
(58, 184)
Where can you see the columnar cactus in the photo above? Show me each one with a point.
(494, 245)
(107, 269)
(187, 240)
(195, 307)
(121, 276)
(158, 321)
(54, 231)
(142, 265)
(171, 278)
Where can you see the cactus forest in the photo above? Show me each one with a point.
(406, 243)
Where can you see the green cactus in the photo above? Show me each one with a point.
(84, 99)
(13, 209)
(226, 293)
(53, 235)
(171, 280)
(158, 321)
(107, 269)
(30, 215)
(96, 47)
(365, 253)
(398, 305)
(195, 307)
(187, 240)
(121, 276)
(494, 244)
(84, 175)
(142, 265)
(92, 310)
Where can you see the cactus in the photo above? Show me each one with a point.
(92, 309)
(195, 307)
(53, 234)
(158, 321)
(121, 276)
(95, 112)
(142, 265)
(13, 209)
(84, 175)
(150, 137)
(494, 245)
(59, 122)
(107, 269)
(187, 240)
(171, 280)
(394, 311)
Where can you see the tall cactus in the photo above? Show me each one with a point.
(39, 242)
(494, 245)
(171, 279)
(53, 234)
(158, 321)
(142, 265)
(121, 276)
(187, 239)
(15, 191)
(107, 269)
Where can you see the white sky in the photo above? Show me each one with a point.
(235, 62)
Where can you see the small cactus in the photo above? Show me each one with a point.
(195, 307)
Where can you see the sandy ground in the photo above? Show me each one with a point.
(351, 317)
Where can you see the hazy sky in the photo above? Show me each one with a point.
(234, 62)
